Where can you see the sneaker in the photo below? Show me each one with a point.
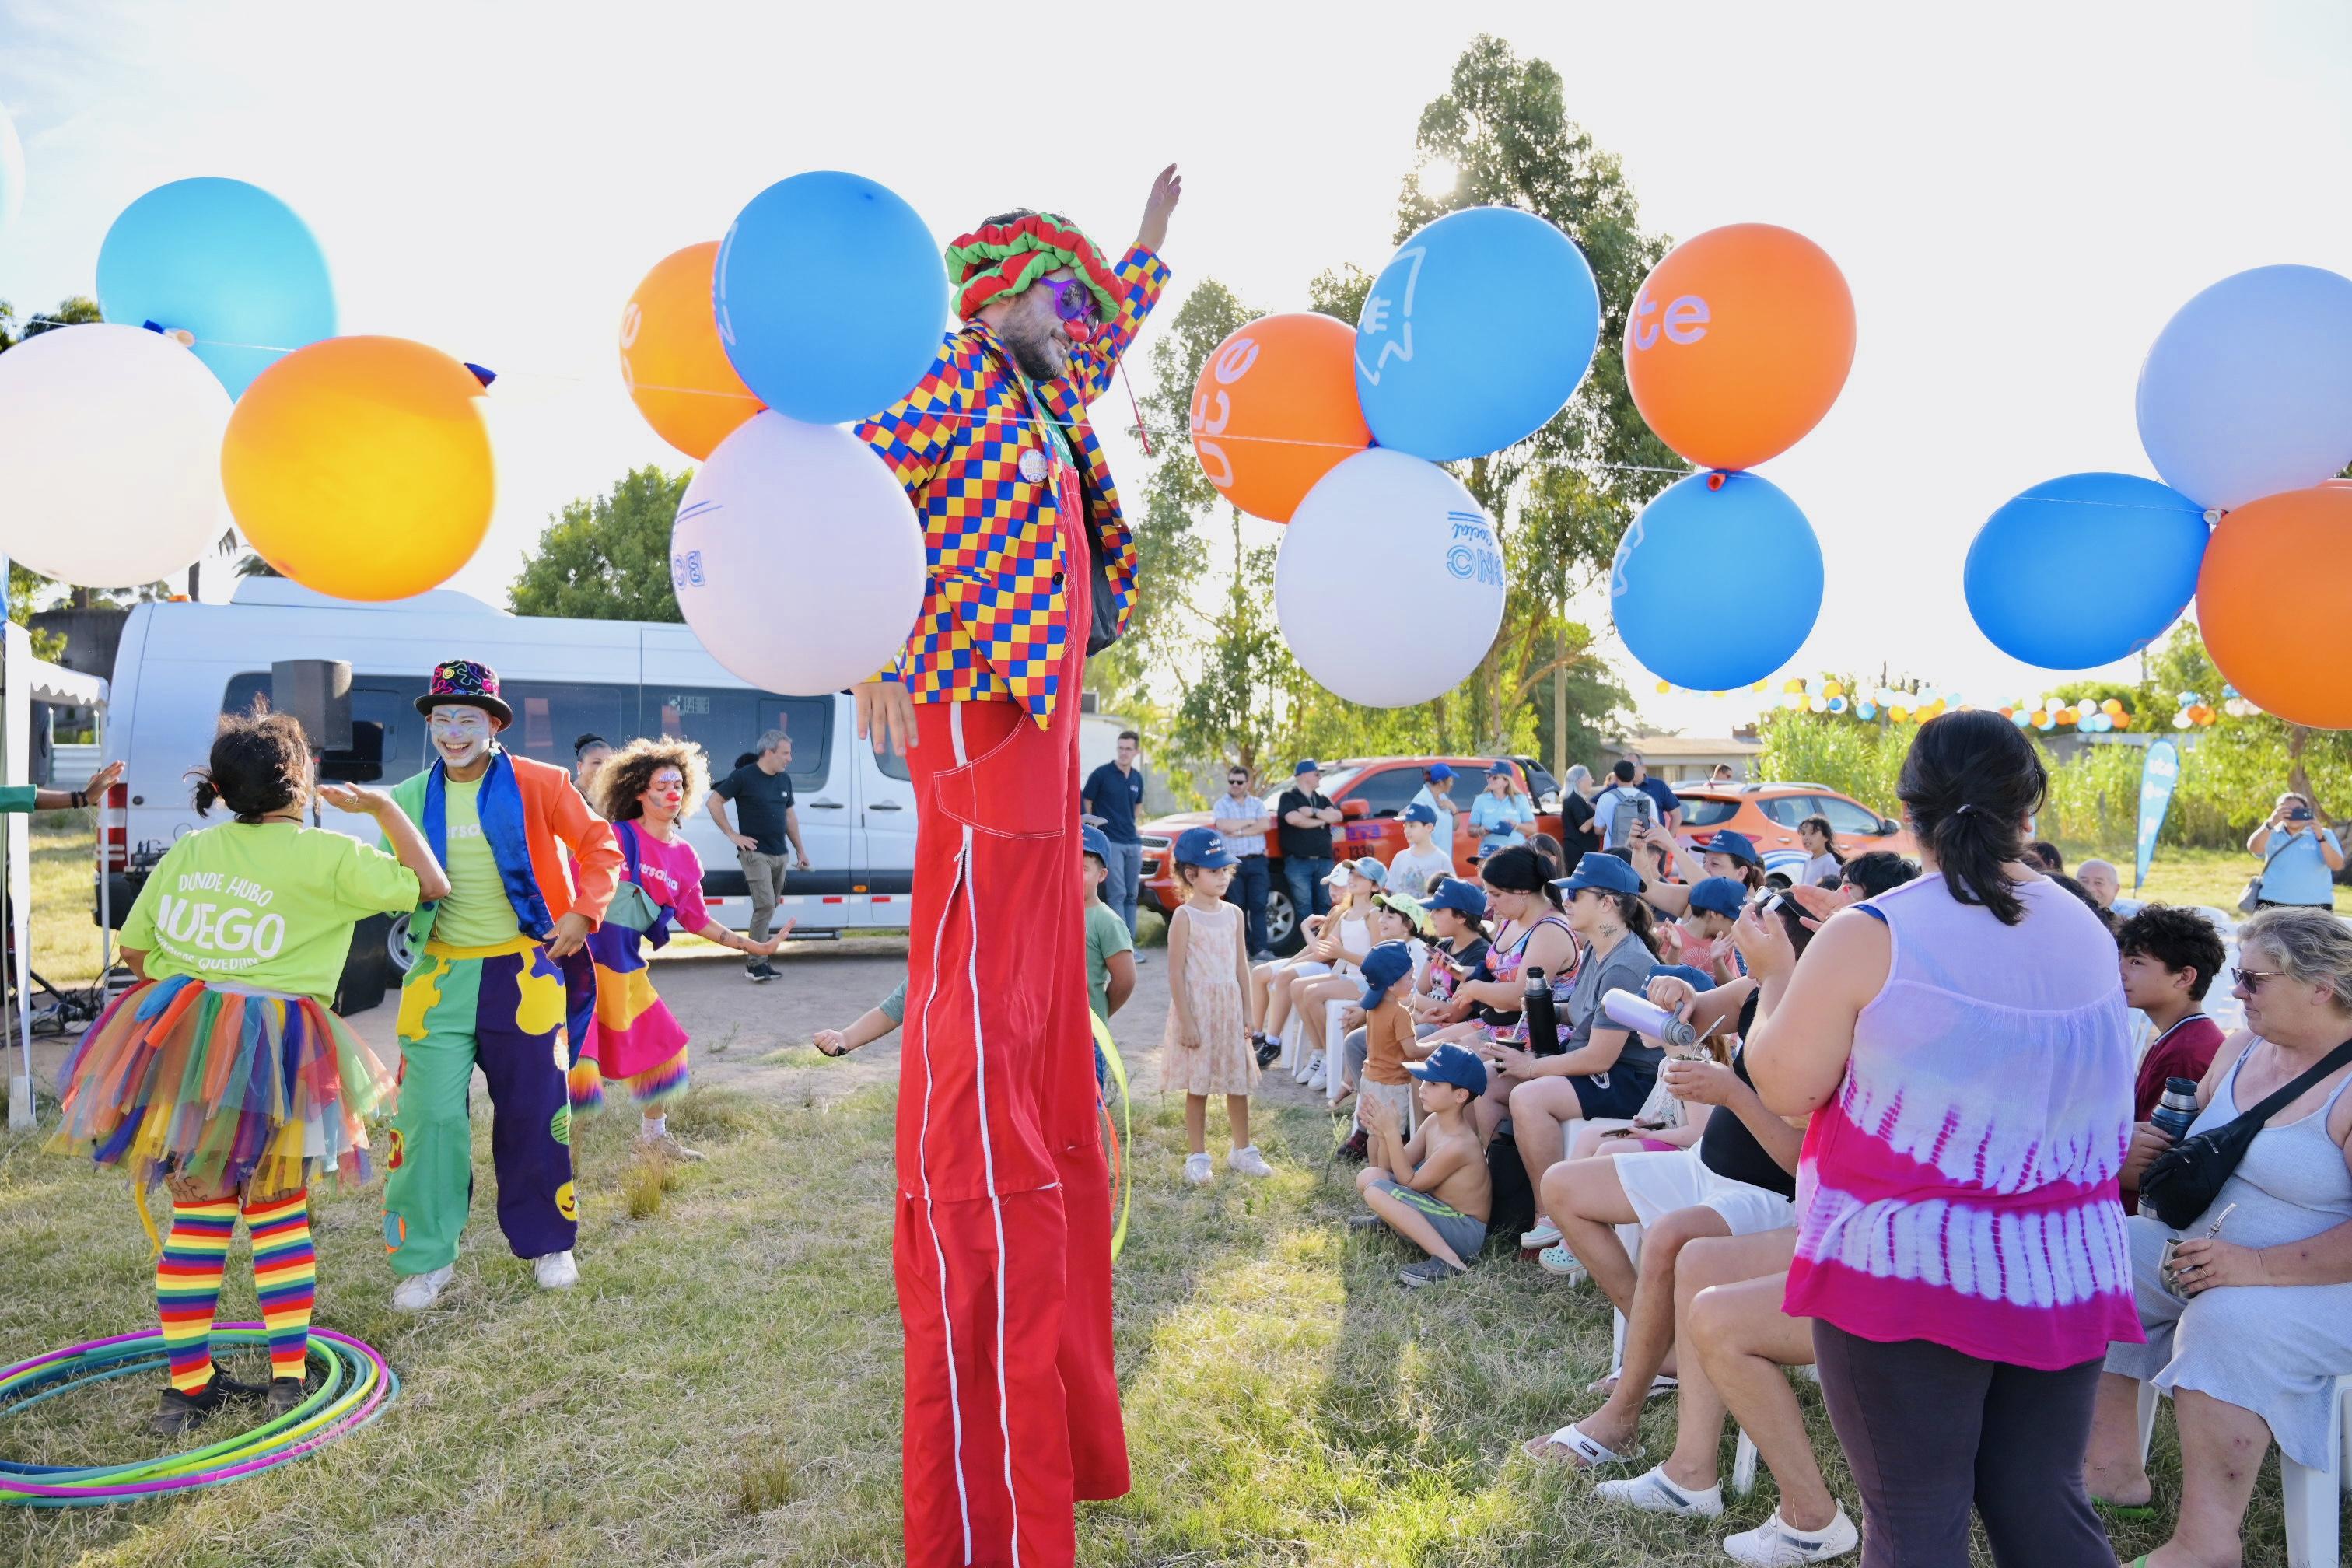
(1358, 1148)
(669, 1148)
(1248, 1162)
(759, 974)
(1268, 1049)
(1773, 1544)
(1263, 955)
(179, 1411)
(1560, 1260)
(1653, 1492)
(285, 1396)
(1313, 1076)
(556, 1271)
(1545, 1234)
(419, 1291)
(1315, 1080)
(1198, 1171)
(1427, 1272)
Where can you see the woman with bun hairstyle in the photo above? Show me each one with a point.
(222, 1075)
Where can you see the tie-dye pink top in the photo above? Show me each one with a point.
(1960, 1187)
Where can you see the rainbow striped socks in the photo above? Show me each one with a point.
(285, 1276)
(188, 1286)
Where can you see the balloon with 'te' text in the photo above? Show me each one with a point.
(1707, 628)
(1738, 343)
(1274, 410)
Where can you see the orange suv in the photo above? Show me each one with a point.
(1370, 791)
(1769, 813)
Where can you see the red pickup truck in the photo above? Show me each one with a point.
(1371, 791)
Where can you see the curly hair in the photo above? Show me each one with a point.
(629, 772)
(260, 763)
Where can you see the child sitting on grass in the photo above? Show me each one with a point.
(1433, 1191)
(1207, 1051)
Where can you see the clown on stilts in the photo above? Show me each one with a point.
(1004, 1225)
(222, 1075)
(487, 987)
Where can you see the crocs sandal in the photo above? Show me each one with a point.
(1573, 1448)
(2136, 1512)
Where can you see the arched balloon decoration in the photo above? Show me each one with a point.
(831, 297)
(1274, 410)
(804, 515)
(360, 467)
(1479, 331)
(110, 440)
(1387, 518)
(2274, 604)
(1712, 629)
(2146, 538)
(225, 261)
(2248, 390)
(672, 362)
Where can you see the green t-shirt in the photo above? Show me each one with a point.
(1107, 936)
(475, 913)
(269, 905)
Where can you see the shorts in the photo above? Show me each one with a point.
(1619, 1093)
(1657, 1184)
(1464, 1235)
(1397, 1097)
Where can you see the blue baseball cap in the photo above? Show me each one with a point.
(1449, 1063)
(1440, 771)
(1419, 813)
(1463, 898)
(1605, 872)
(1383, 967)
(1092, 842)
(1739, 846)
(1306, 765)
(1502, 770)
(1720, 896)
(1202, 846)
(1369, 869)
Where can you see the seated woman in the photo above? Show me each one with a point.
(2248, 1328)
(1327, 937)
(1739, 1181)
(1358, 885)
(1533, 931)
(1601, 1069)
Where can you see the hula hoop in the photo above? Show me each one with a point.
(1127, 1113)
(356, 1387)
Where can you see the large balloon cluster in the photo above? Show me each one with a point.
(217, 387)
(2245, 410)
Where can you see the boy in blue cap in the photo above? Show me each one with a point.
(1110, 947)
(1434, 1190)
(1423, 861)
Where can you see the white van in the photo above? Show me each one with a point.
(180, 666)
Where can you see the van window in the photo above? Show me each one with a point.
(1387, 792)
(891, 761)
(549, 715)
(1846, 816)
(729, 722)
(387, 734)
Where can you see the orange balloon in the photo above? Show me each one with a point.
(671, 360)
(2274, 601)
(360, 467)
(1738, 343)
(1274, 410)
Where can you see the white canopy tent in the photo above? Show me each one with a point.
(25, 681)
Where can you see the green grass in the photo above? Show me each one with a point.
(2214, 876)
(723, 1386)
(65, 937)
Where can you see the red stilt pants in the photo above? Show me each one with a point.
(1002, 1251)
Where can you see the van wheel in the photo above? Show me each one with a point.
(395, 950)
(1282, 932)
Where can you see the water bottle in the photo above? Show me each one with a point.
(2176, 1110)
(1536, 1012)
(1645, 1016)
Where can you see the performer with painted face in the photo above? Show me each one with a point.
(634, 1040)
(1003, 1225)
(486, 987)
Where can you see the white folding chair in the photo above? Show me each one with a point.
(1335, 1051)
(2310, 1495)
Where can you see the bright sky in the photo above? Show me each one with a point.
(2019, 195)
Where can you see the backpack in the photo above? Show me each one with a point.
(1513, 1202)
(1631, 807)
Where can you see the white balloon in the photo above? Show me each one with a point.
(1385, 518)
(111, 440)
(796, 557)
(12, 169)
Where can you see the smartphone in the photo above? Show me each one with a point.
(2300, 814)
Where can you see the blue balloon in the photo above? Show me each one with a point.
(831, 296)
(1477, 331)
(1718, 581)
(2248, 391)
(226, 261)
(2148, 540)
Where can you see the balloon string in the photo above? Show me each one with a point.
(1143, 430)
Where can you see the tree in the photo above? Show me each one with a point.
(607, 557)
(74, 311)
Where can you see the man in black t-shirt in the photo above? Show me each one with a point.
(1304, 817)
(762, 793)
(1107, 800)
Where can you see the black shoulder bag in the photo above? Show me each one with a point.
(2182, 1182)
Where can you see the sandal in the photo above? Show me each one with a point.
(2136, 1512)
(1661, 1386)
(1571, 1447)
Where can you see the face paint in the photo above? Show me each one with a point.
(460, 733)
(665, 794)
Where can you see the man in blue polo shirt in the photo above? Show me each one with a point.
(1670, 804)
(1112, 793)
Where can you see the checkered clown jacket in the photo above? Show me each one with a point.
(994, 621)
